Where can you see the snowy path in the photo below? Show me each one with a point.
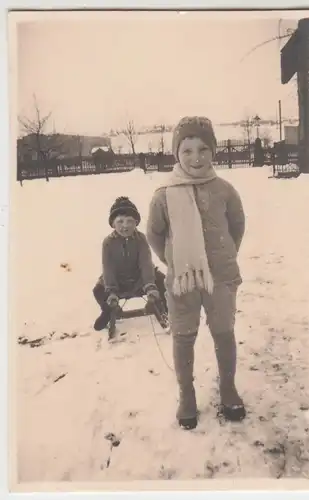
(73, 391)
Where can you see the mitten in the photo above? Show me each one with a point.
(153, 294)
(112, 300)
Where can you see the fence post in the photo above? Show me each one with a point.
(258, 152)
(249, 153)
(273, 160)
(142, 161)
(229, 152)
(160, 161)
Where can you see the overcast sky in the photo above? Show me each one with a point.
(95, 73)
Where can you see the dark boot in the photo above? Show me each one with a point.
(101, 296)
(102, 321)
(232, 406)
(183, 353)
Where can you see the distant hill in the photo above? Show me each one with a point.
(157, 129)
(290, 121)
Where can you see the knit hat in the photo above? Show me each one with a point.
(194, 126)
(123, 206)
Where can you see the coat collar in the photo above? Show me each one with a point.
(115, 235)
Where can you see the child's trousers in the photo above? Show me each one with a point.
(101, 295)
(220, 309)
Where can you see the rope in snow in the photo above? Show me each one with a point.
(157, 342)
(159, 347)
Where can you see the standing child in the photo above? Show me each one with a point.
(127, 263)
(196, 224)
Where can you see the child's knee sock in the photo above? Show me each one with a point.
(225, 348)
(183, 353)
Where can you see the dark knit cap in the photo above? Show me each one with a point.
(123, 206)
(194, 126)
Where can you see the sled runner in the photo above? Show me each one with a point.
(151, 307)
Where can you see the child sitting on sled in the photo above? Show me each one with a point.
(128, 269)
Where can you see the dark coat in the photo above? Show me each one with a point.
(127, 263)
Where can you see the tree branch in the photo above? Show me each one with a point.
(130, 133)
(45, 145)
(256, 47)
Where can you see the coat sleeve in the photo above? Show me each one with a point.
(236, 217)
(146, 264)
(109, 276)
(157, 226)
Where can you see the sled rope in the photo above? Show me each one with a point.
(158, 345)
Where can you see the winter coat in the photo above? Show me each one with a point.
(127, 263)
(223, 222)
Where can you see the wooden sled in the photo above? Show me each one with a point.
(151, 308)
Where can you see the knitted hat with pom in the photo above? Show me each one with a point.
(123, 206)
(194, 126)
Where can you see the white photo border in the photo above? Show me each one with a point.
(6, 159)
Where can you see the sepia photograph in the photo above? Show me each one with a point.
(159, 249)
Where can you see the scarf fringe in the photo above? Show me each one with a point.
(190, 280)
(191, 268)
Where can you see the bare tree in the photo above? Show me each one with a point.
(266, 138)
(247, 124)
(131, 135)
(278, 37)
(35, 139)
(266, 42)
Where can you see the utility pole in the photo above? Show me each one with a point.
(280, 121)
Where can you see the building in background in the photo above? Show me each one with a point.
(291, 135)
(30, 147)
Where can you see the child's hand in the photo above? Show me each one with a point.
(112, 300)
(153, 295)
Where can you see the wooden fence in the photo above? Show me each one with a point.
(229, 154)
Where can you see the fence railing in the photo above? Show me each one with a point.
(229, 154)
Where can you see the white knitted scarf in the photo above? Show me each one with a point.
(189, 253)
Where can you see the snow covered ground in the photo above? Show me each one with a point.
(72, 388)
